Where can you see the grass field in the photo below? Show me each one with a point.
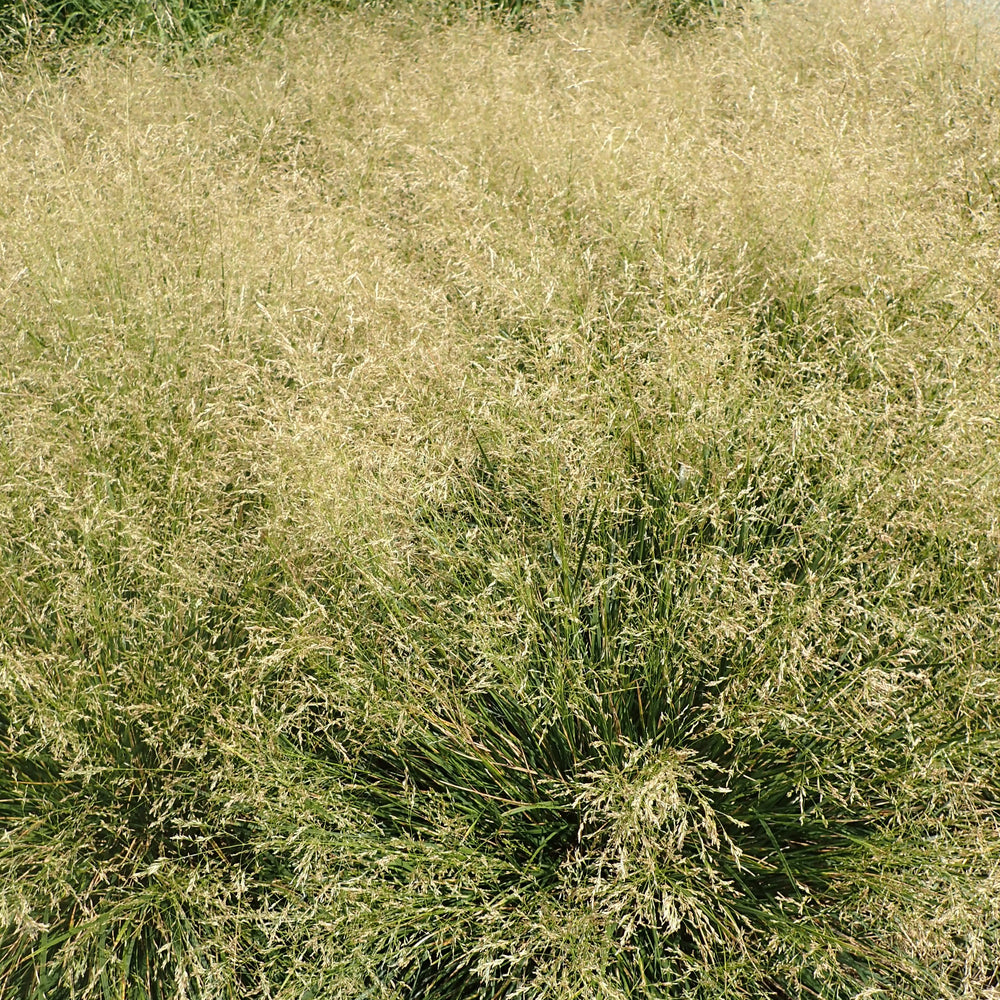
(493, 514)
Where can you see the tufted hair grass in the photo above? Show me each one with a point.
(492, 515)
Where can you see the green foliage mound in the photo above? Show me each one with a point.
(193, 23)
(187, 22)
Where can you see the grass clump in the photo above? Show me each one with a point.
(638, 781)
(492, 514)
(125, 630)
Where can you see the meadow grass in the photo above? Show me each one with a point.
(493, 514)
(46, 26)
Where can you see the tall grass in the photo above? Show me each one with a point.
(492, 514)
(192, 24)
(32, 22)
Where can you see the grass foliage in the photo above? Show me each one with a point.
(188, 25)
(36, 24)
(493, 515)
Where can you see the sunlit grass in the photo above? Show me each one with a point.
(504, 514)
